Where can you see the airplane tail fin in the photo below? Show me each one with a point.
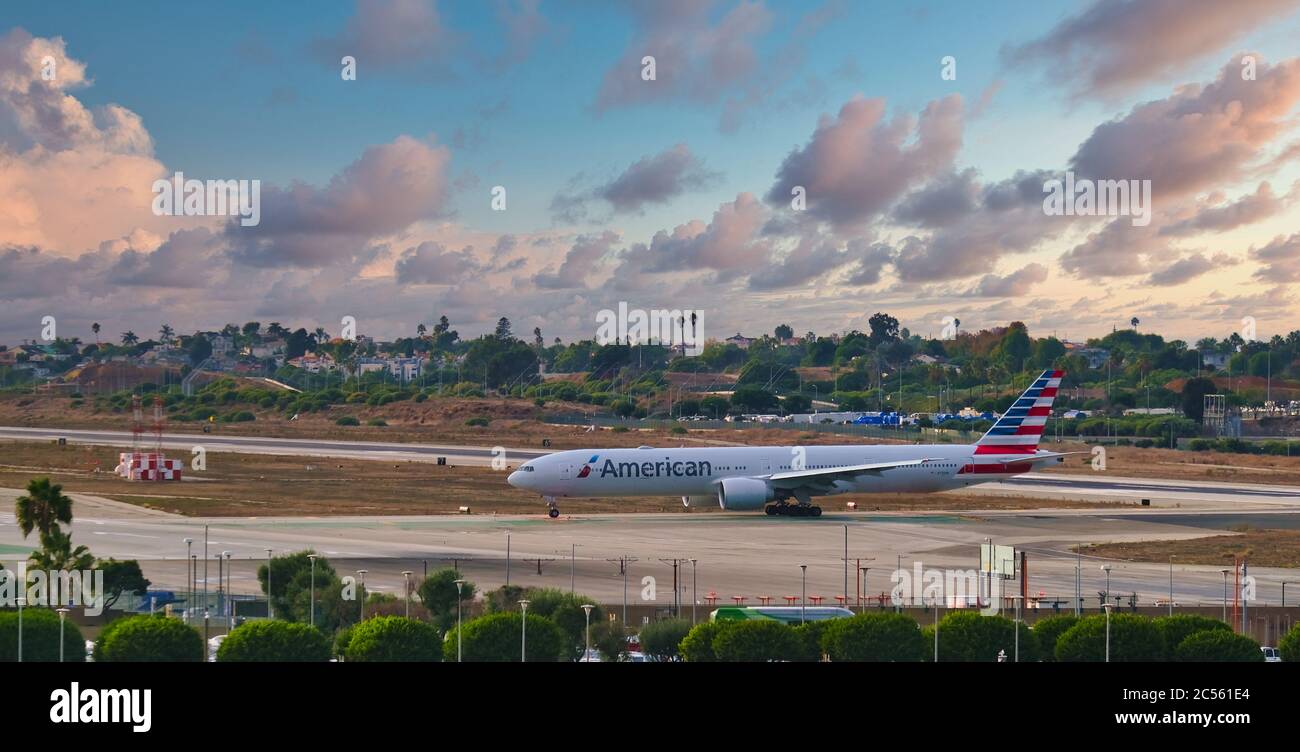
(1019, 429)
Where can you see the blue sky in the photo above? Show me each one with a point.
(252, 90)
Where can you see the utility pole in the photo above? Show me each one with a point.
(623, 561)
(677, 607)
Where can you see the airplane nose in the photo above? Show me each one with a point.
(514, 478)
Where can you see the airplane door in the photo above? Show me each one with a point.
(566, 472)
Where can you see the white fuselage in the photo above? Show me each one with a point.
(696, 471)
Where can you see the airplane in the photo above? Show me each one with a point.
(770, 477)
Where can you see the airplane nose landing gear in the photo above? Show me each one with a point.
(553, 511)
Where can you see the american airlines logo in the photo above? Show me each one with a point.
(652, 469)
(586, 469)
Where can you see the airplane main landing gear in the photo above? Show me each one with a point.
(782, 509)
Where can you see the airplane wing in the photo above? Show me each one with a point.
(832, 473)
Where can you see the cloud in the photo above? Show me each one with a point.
(813, 258)
(1281, 259)
(587, 252)
(431, 263)
(729, 243)
(407, 36)
(1113, 46)
(1119, 249)
(656, 180)
(857, 163)
(389, 187)
(1198, 137)
(1016, 284)
(1247, 210)
(1188, 268)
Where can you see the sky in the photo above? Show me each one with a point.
(920, 137)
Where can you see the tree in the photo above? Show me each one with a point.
(165, 334)
(1132, 638)
(884, 328)
(1289, 646)
(756, 640)
(129, 338)
(1194, 392)
(291, 592)
(438, 594)
(796, 403)
(42, 508)
(875, 637)
(1047, 631)
(1218, 645)
(697, 645)
(40, 637)
(783, 331)
(199, 350)
(1174, 629)
(394, 639)
(95, 328)
(753, 398)
(157, 639)
(279, 641)
(1134, 323)
(662, 639)
(971, 637)
(610, 638)
(121, 577)
(503, 329)
(56, 553)
(499, 637)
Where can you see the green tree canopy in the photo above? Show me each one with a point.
(40, 637)
(971, 637)
(498, 637)
(1218, 646)
(662, 639)
(757, 640)
(394, 638)
(1132, 638)
(875, 637)
(439, 595)
(154, 639)
(281, 641)
(1175, 629)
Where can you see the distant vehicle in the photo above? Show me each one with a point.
(214, 644)
(636, 656)
(1072, 414)
(783, 614)
(1271, 655)
(590, 656)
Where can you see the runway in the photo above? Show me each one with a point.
(1087, 487)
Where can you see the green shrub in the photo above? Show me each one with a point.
(1175, 629)
(967, 636)
(341, 640)
(677, 431)
(697, 645)
(757, 640)
(499, 637)
(478, 421)
(264, 641)
(1132, 638)
(875, 637)
(380, 422)
(393, 638)
(1047, 631)
(1218, 645)
(347, 420)
(40, 637)
(1289, 647)
(662, 639)
(150, 639)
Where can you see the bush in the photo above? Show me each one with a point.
(341, 641)
(498, 637)
(480, 421)
(662, 639)
(1289, 647)
(1175, 629)
(150, 639)
(347, 420)
(393, 638)
(1048, 631)
(967, 636)
(810, 639)
(1218, 645)
(265, 641)
(40, 637)
(610, 638)
(756, 641)
(875, 637)
(1132, 638)
(697, 645)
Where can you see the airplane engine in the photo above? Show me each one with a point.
(695, 502)
(744, 493)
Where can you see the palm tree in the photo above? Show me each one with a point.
(1134, 323)
(420, 330)
(57, 554)
(42, 508)
(129, 339)
(166, 333)
(321, 335)
(95, 328)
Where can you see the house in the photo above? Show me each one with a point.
(739, 341)
(1215, 360)
(314, 363)
(401, 368)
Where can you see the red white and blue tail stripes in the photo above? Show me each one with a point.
(1019, 429)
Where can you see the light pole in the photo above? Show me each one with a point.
(221, 584)
(269, 613)
(803, 599)
(573, 557)
(523, 632)
(361, 575)
(1106, 568)
(936, 630)
(694, 594)
(1108, 608)
(459, 584)
(63, 613)
(1224, 572)
(406, 573)
(1171, 584)
(586, 609)
(21, 601)
(230, 604)
(189, 581)
(311, 599)
(1284, 583)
